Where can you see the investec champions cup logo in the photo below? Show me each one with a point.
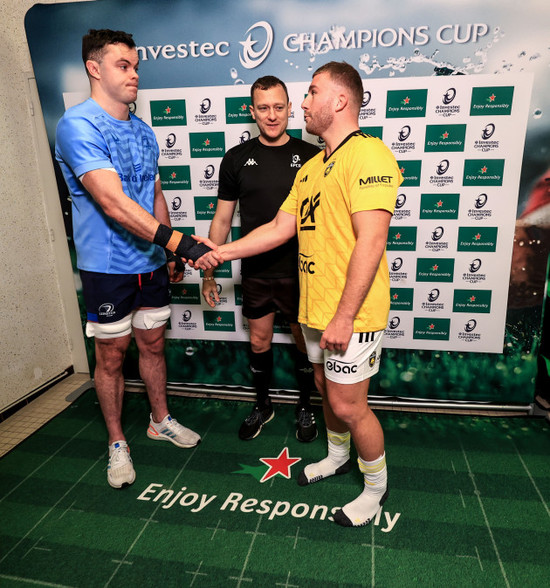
(257, 45)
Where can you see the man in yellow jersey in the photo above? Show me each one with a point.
(340, 206)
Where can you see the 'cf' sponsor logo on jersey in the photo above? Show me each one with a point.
(305, 265)
(307, 212)
(339, 367)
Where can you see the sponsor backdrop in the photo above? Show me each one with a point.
(459, 140)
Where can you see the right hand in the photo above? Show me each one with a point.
(210, 292)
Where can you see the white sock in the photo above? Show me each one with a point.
(336, 462)
(363, 509)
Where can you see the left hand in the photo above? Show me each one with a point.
(175, 271)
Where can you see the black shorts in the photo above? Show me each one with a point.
(111, 297)
(262, 296)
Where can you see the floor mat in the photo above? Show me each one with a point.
(468, 504)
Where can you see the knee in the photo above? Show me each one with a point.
(259, 344)
(349, 413)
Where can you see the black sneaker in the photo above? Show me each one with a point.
(306, 429)
(253, 423)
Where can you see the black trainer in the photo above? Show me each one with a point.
(306, 429)
(253, 423)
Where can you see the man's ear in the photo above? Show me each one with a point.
(341, 102)
(93, 68)
(251, 108)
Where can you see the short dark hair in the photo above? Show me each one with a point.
(266, 83)
(346, 75)
(94, 42)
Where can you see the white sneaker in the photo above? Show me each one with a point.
(120, 471)
(170, 430)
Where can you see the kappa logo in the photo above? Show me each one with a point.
(303, 180)
(250, 162)
(250, 57)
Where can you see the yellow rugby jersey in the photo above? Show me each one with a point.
(361, 174)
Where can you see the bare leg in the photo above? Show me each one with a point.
(152, 368)
(109, 382)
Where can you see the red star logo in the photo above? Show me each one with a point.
(483, 170)
(431, 327)
(407, 100)
(244, 107)
(402, 170)
(445, 135)
(492, 97)
(398, 235)
(210, 205)
(435, 267)
(173, 175)
(184, 291)
(395, 296)
(167, 110)
(477, 237)
(439, 204)
(279, 465)
(207, 142)
(472, 298)
(218, 318)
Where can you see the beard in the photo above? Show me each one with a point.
(318, 124)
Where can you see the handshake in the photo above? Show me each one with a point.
(207, 255)
(198, 252)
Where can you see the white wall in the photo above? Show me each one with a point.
(40, 331)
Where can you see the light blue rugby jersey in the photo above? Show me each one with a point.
(87, 138)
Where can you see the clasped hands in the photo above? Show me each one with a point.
(209, 260)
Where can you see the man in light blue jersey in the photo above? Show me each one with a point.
(122, 235)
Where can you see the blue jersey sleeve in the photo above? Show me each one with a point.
(81, 146)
